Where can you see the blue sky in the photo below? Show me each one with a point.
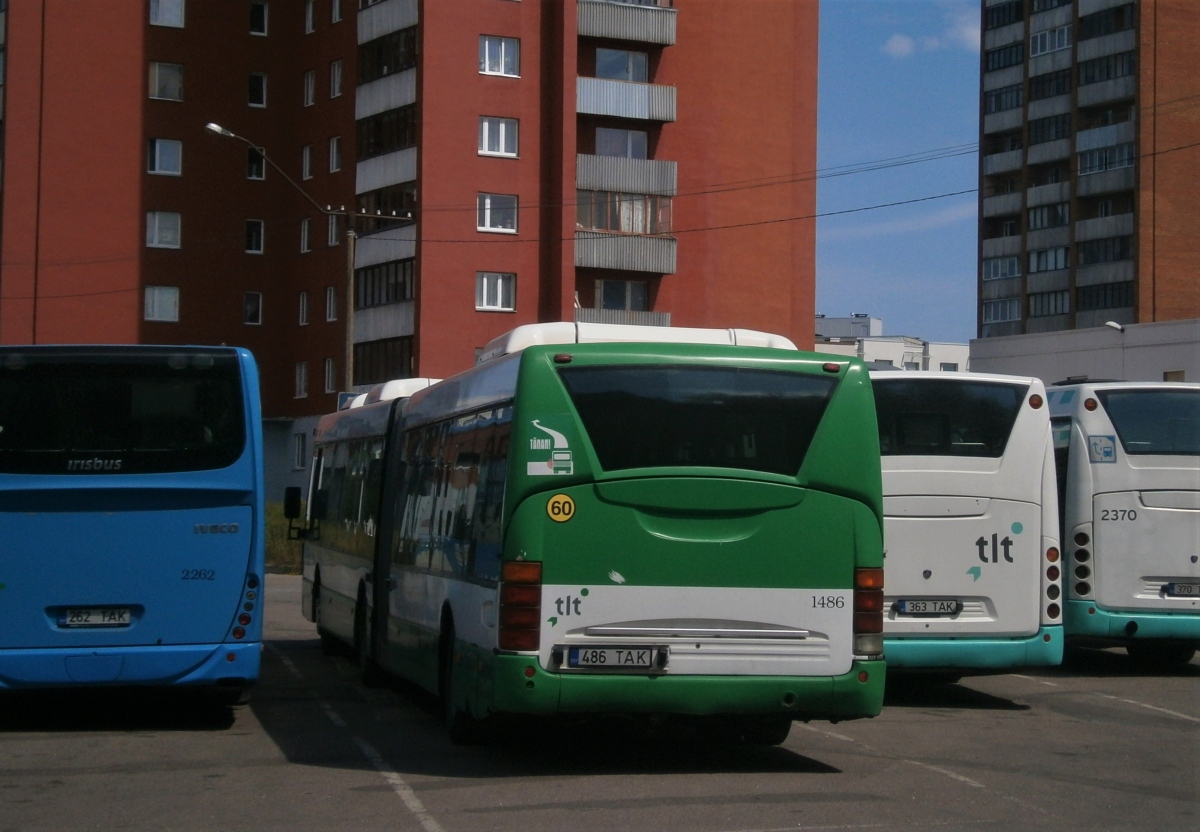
(898, 120)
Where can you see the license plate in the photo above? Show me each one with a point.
(611, 657)
(1183, 590)
(95, 617)
(929, 606)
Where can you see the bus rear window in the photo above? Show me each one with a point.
(654, 416)
(1155, 421)
(116, 411)
(935, 417)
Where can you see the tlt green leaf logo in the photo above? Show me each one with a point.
(975, 572)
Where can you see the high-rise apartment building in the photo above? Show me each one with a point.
(1089, 164)
(409, 178)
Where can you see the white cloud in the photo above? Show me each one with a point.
(940, 218)
(900, 46)
(961, 31)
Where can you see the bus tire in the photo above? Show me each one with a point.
(772, 730)
(461, 727)
(368, 670)
(1160, 654)
(329, 645)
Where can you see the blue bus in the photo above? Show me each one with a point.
(131, 510)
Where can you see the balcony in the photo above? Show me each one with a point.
(1002, 204)
(1001, 246)
(1049, 194)
(1049, 151)
(626, 21)
(631, 176)
(1101, 227)
(624, 99)
(1106, 136)
(1102, 92)
(1125, 41)
(628, 252)
(622, 316)
(381, 19)
(1105, 182)
(1002, 162)
(394, 243)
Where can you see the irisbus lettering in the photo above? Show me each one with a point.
(96, 464)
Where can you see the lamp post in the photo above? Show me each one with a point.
(351, 239)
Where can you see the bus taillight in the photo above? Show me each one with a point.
(520, 605)
(868, 611)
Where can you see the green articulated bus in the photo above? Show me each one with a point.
(589, 523)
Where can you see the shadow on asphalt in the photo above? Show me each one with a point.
(111, 709)
(916, 690)
(1100, 663)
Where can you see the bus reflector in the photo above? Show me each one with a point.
(520, 605)
(1035, 401)
(868, 608)
(1052, 573)
(1090, 404)
(831, 367)
(1052, 554)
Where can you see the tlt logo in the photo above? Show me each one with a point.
(567, 606)
(997, 545)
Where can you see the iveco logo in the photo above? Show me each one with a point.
(215, 528)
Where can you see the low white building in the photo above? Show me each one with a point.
(900, 351)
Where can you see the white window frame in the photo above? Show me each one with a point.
(948, 366)
(1000, 268)
(335, 78)
(1049, 259)
(502, 132)
(310, 16)
(495, 292)
(249, 97)
(299, 451)
(262, 33)
(331, 304)
(256, 298)
(302, 304)
(301, 380)
(330, 375)
(306, 165)
(629, 291)
(633, 67)
(495, 52)
(161, 304)
(262, 236)
(994, 310)
(167, 13)
(157, 92)
(335, 11)
(159, 230)
(262, 168)
(310, 87)
(333, 231)
(629, 142)
(155, 154)
(484, 210)
(1049, 40)
(306, 235)
(335, 154)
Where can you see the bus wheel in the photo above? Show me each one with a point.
(368, 670)
(329, 645)
(1161, 654)
(462, 728)
(772, 730)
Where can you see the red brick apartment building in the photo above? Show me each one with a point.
(1089, 165)
(502, 162)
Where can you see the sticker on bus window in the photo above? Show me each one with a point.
(1102, 449)
(558, 460)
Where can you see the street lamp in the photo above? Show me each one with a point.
(351, 237)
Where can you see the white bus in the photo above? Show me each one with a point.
(1129, 476)
(971, 529)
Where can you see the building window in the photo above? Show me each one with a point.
(332, 230)
(999, 311)
(622, 65)
(624, 213)
(495, 291)
(252, 303)
(497, 136)
(1105, 69)
(301, 379)
(162, 303)
(1106, 158)
(1107, 22)
(258, 17)
(384, 284)
(1043, 130)
(1106, 250)
(302, 306)
(166, 81)
(1047, 5)
(1005, 98)
(1049, 259)
(1050, 40)
(310, 87)
(387, 55)
(306, 167)
(1104, 296)
(164, 157)
(1049, 216)
(335, 11)
(948, 366)
(330, 375)
(629, 295)
(387, 207)
(1050, 85)
(497, 212)
(335, 154)
(1003, 57)
(256, 95)
(998, 268)
(254, 236)
(376, 361)
(256, 163)
(387, 132)
(499, 56)
(1042, 304)
(335, 79)
(1003, 14)
(331, 310)
(305, 235)
(166, 13)
(162, 229)
(299, 450)
(627, 144)
(310, 15)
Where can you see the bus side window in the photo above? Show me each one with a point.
(487, 541)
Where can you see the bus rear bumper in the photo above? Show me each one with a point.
(1085, 620)
(200, 665)
(1044, 648)
(817, 697)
